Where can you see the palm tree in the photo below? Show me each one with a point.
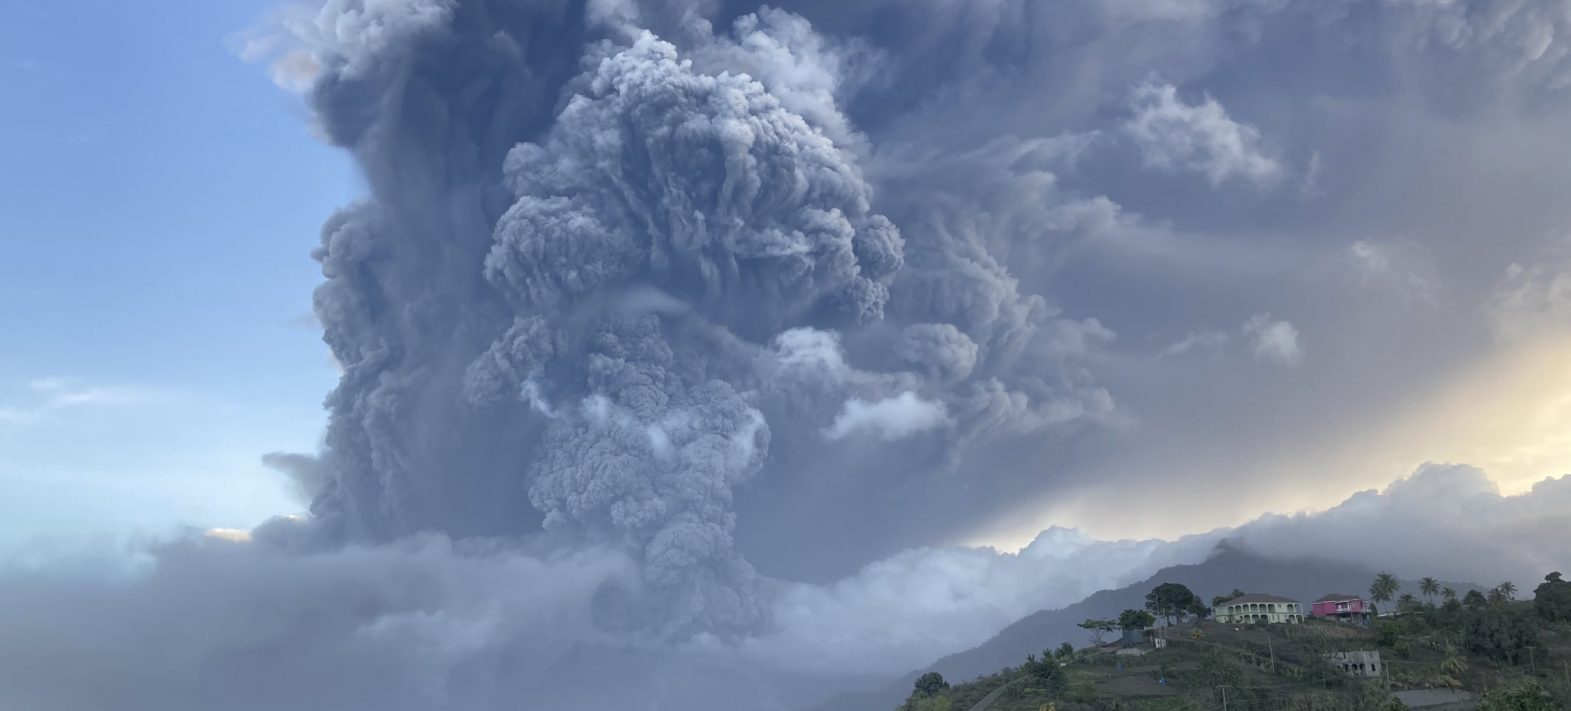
(1448, 593)
(1407, 603)
(1384, 588)
(1429, 587)
(1508, 590)
(1497, 596)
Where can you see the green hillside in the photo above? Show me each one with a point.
(1489, 652)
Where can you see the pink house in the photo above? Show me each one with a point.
(1341, 606)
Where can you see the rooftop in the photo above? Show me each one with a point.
(1338, 597)
(1256, 597)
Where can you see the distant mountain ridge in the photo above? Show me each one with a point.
(1304, 580)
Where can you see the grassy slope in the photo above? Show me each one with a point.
(1242, 659)
(1301, 579)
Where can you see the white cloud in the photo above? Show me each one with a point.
(1535, 298)
(296, 41)
(906, 610)
(1274, 341)
(1204, 340)
(813, 351)
(1175, 136)
(1403, 268)
(54, 395)
(890, 419)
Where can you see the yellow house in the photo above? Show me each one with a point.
(1259, 608)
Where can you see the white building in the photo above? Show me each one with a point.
(1258, 608)
(1358, 664)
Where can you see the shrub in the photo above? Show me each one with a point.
(930, 684)
(1527, 697)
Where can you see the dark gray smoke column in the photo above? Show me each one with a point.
(592, 351)
(429, 95)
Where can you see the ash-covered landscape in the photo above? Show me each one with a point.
(707, 355)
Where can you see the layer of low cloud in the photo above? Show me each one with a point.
(431, 623)
(1446, 521)
(419, 624)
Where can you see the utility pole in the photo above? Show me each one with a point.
(1224, 697)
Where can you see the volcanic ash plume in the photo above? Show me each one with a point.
(667, 220)
(607, 339)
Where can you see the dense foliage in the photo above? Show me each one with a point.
(930, 684)
(1552, 598)
(1130, 620)
(1172, 602)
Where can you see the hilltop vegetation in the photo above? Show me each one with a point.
(1507, 655)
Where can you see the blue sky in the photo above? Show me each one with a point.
(159, 204)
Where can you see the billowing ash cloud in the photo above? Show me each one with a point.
(669, 221)
(574, 300)
(670, 277)
(691, 335)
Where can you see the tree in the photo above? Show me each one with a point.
(930, 684)
(1552, 598)
(1407, 603)
(1454, 664)
(1172, 601)
(1502, 634)
(1044, 674)
(1130, 620)
(1448, 593)
(1507, 590)
(1065, 651)
(1384, 588)
(1475, 600)
(1428, 587)
(1098, 628)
